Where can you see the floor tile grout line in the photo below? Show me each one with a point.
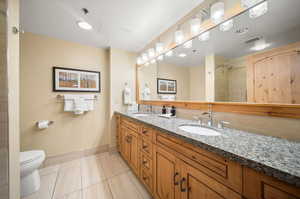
(55, 183)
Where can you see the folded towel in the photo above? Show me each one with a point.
(78, 103)
(69, 103)
(127, 96)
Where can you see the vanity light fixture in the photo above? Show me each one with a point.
(217, 12)
(145, 57)
(227, 25)
(160, 58)
(179, 37)
(151, 53)
(159, 48)
(169, 53)
(260, 45)
(195, 26)
(188, 44)
(204, 36)
(84, 25)
(258, 10)
(182, 55)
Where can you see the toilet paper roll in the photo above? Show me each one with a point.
(43, 124)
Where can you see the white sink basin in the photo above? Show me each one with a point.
(140, 114)
(199, 130)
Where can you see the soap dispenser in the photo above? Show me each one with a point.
(173, 111)
(164, 110)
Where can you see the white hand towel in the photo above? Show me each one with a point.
(89, 102)
(79, 105)
(69, 102)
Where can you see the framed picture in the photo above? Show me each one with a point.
(166, 86)
(75, 80)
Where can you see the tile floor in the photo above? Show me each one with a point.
(103, 176)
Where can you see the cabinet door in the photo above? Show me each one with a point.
(126, 144)
(196, 185)
(166, 175)
(134, 151)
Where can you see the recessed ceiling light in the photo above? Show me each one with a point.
(182, 55)
(84, 25)
(160, 58)
(260, 45)
(242, 31)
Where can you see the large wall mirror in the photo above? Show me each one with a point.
(248, 59)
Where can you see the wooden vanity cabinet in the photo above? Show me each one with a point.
(259, 186)
(171, 168)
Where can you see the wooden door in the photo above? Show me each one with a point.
(196, 185)
(166, 175)
(134, 150)
(274, 77)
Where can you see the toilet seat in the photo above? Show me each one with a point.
(29, 157)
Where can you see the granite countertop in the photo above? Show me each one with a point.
(273, 156)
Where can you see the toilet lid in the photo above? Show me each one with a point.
(29, 156)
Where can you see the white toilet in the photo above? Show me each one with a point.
(30, 179)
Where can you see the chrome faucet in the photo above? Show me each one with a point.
(210, 115)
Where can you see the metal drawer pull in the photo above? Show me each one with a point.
(145, 131)
(181, 185)
(145, 146)
(175, 175)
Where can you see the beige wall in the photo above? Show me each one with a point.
(69, 133)
(122, 70)
(179, 73)
(197, 83)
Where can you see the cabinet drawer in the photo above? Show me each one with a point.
(130, 124)
(260, 186)
(146, 147)
(147, 179)
(219, 168)
(146, 163)
(147, 133)
(226, 172)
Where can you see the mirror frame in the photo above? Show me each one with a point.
(271, 110)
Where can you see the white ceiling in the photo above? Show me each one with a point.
(280, 26)
(124, 24)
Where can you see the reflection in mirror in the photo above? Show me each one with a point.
(254, 58)
(147, 82)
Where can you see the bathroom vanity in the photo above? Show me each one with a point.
(175, 164)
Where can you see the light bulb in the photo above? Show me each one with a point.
(227, 25)
(151, 52)
(195, 26)
(159, 48)
(179, 37)
(169, 53)
(188, 44)
(258, 10)
(139, 61)
(147, 64)
(204, 36)
(217, 11)
(145, 57)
